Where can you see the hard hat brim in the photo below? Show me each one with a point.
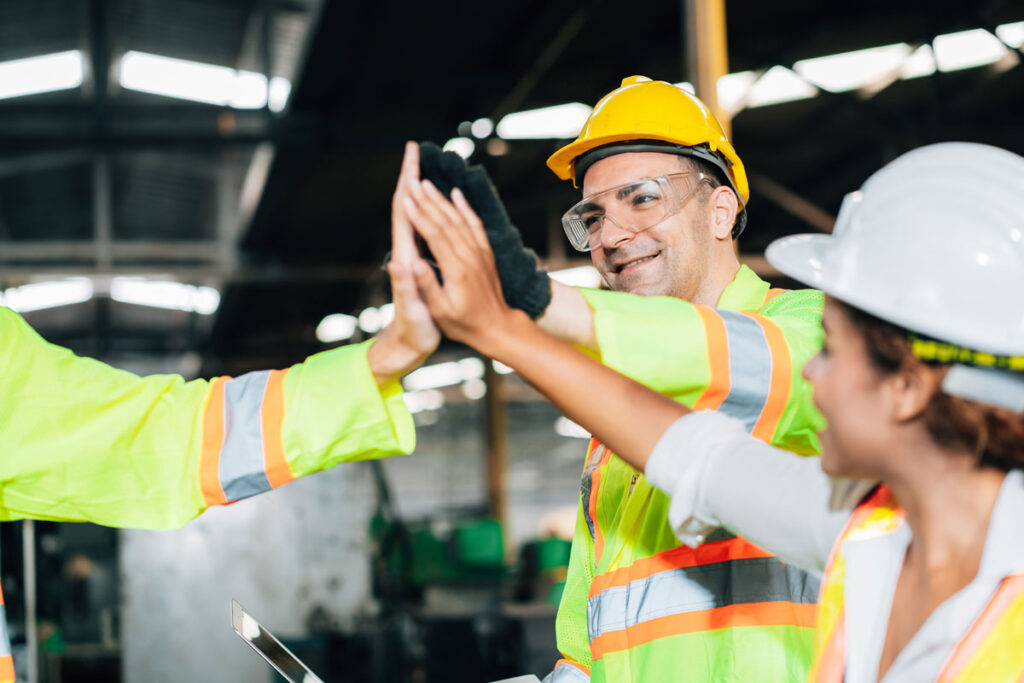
(801, 257)
(805, 259)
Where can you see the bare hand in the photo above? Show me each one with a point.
(412, 336)
(469, 307)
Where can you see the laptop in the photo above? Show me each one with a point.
(282, 659)
(269, 647)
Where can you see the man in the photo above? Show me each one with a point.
(83, 441)
(664, 194)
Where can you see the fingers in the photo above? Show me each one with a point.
(403, 285)
(403, 240)
(460, 228)
(430, 290)
(474, 225)
(433, 229)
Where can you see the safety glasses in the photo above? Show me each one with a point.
(635, 206)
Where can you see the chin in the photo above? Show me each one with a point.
(641, 287)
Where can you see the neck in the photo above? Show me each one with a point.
(948, 502)
(723, 269)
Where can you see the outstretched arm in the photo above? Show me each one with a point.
(715, 472)
(470, 307)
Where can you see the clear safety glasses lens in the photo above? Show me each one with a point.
(635, 207)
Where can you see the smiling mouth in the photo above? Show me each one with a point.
(634, 262)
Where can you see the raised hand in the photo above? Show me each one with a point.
(469, 306)
(524, 283)
(412, 336)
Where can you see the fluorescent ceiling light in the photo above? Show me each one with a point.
(501, 368)
(687, 86)
(165, 294)
(852, 70)
(919, 64)
(779, 85)
(444, 374)
(336, 327)
(1012, 34)
(418, 401)
(474, 389)
(280, 91)
(481, 128)
(462, 146)
(580, 276)
(40, 295)
(733, 89)
(560, 121)
(967, 49)
(200, 82)
(46, 73)
(566, 427)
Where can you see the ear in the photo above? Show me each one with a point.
(913, 387)
(722, 206)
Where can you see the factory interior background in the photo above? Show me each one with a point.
(203, 187)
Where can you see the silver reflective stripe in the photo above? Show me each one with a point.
(5, 640)
(566, 673)
(692, 589)
(242, 471)
(750, 368)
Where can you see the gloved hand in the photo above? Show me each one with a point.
(525, 285)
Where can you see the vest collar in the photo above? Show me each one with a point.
(746, 292)
(1004, 542)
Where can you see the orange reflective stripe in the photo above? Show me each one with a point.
(568, 671)
(782, 376)
(880, 496)
(682, 556)
(272, 414)
(730, 616)
(830, 665)
(212, 441)
(717, 340)
(1010, 590)
(772, 293)
(7, 669)
(595, 487)
(569, 662)
(876, 514)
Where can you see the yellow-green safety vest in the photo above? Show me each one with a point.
(85, 442)
(638, 605)
(991, 650)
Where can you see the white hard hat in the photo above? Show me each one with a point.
(933, 242)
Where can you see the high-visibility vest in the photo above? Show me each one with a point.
(638, 605)
(726, 610)
(991, 651)
(83, 441)
(6, 660)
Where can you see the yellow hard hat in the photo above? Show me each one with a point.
(666, 117)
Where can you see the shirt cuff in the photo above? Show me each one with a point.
(677, 466)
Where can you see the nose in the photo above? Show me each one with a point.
(613, 235)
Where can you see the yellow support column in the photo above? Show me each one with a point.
(707, 53)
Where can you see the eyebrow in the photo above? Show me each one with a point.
(627, 190)
(589, 206)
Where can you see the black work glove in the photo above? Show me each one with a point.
(525, 285)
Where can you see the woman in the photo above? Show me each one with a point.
(921, 380)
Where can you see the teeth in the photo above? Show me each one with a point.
(633, 263)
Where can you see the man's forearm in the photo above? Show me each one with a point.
(626, 416)
(569, 317)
